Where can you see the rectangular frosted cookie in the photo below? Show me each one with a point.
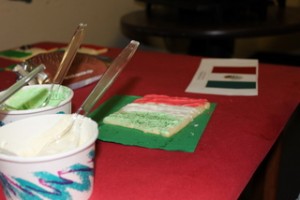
(158, 114)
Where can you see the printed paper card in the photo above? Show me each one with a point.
(226, 77)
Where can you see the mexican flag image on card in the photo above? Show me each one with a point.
(226, 77)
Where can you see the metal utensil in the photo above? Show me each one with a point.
(108, 77)
(70, 54)
(67, 60)
(103, 84)
(66, 124)
(19, 84)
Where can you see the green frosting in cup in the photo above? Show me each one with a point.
(33, 97)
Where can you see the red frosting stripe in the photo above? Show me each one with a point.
(178, 101)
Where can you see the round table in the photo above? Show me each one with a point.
(210, 38)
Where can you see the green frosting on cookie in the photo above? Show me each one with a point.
(151, 122)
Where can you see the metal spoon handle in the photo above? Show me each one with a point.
(19, 84)
(66, 61)
(108, 77)
(69, 54)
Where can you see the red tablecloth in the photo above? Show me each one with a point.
(239, 135)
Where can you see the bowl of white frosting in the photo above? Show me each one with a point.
(29, 101)
(62, 168)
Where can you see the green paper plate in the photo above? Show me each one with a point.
(185, 140)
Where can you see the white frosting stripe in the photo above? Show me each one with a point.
(181, 111)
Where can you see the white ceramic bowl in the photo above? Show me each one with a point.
(66, 175)
(65, 107)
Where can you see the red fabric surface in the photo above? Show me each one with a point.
(236, 140)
